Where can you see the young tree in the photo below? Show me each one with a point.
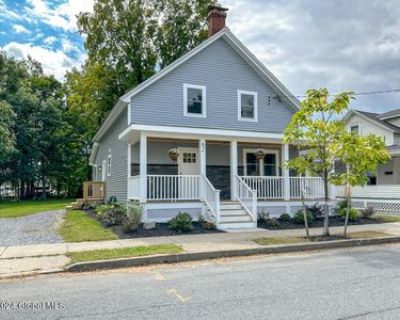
(360, 154)
(316, 128)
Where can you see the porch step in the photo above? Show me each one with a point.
(232, 206)
(235, 218)
(232, 212)
(237, 225)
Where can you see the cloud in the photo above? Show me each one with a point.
(54, 62)
(338, 44)
(20, 29)
(49, 40)
(62, 16)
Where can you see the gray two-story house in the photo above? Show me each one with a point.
(203, 136)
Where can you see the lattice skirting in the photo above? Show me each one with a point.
(377, 205)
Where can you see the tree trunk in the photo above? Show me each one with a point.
(326, 205)
(348, 207)
(44, 188)
(305, 215)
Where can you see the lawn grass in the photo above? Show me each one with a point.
(270, 241)
(78, 227)
(386, 218)
(106, 254)
(13, 209)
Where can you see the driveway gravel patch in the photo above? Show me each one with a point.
(33, 229)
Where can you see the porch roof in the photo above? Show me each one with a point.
(133, 132)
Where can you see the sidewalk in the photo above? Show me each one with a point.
(43, 258)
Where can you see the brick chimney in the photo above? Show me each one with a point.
(216, 18)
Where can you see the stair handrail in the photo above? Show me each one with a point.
(211, 197)
(247, 197)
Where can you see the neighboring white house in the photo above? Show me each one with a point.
(385, 182)
(204, 136)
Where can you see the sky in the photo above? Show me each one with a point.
(337, 44)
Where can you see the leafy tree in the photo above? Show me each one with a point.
(316, 127)
(360, 154)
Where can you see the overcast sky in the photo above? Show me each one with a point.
(338, 44)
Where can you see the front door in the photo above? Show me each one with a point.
(188, 165)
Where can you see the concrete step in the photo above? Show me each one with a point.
(229, 219)
(236, 225)
(233, 212)
(230, 206)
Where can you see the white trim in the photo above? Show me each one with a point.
(351, 112)
(103, 170)
(93, 153)
(190, 132)
(129, 171)
(203, 157)
(261, 164)
(255, 111)
(109, 165)
(96, 173)
(285, 172)
(233, 168)
(129, 108)
(143, 167)
(203, 89)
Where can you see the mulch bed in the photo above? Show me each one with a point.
(318, 223)
(161, 230)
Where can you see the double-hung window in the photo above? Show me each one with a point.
(194, 100)
(247, 105)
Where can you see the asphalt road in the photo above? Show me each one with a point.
(362, 283)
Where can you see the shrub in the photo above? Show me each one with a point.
(263, 217)
(272, 223)
(133, 218)
(367, 212)
(299, 217)
(111, 214)
(182, 222)
(353, 214)
(285, 217)
(316, 210)
(112, 200)
(340, 205)
(207, 225)
(201, 219)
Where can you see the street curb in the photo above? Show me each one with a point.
(184, 257)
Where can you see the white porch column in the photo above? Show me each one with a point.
(129, 164)
(285, 172)
(203, 163)
(143, 167)
(234, 167)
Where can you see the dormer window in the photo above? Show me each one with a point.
(247, 105)
(194, 100)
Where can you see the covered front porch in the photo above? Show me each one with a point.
(216, 171)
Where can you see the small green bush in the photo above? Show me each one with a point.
(182, 222)
(133, 218)
(367, 212)
(340, 205)
(285, 217)
(111, 214)
(353, 214)
(298, 217)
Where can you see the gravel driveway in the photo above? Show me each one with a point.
(33, 229)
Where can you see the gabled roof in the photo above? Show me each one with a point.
(372, 117)
(390, 114)
(236, 44)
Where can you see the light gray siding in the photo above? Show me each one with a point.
(223, 71)
(117, 182)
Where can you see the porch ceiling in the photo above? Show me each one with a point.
(133, 132)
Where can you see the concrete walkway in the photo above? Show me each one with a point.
(17, 260)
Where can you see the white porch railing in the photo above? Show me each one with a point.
(173, 187)
(266, 187)
(371, 192)
(211, 197)
(274, 187)
(313, 187)
(134, 188)
(247, 197)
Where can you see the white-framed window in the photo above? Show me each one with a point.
(247, 105)
(354, 128)
(267, 166)
(109, 159)
(194, 100)
(95, 171)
